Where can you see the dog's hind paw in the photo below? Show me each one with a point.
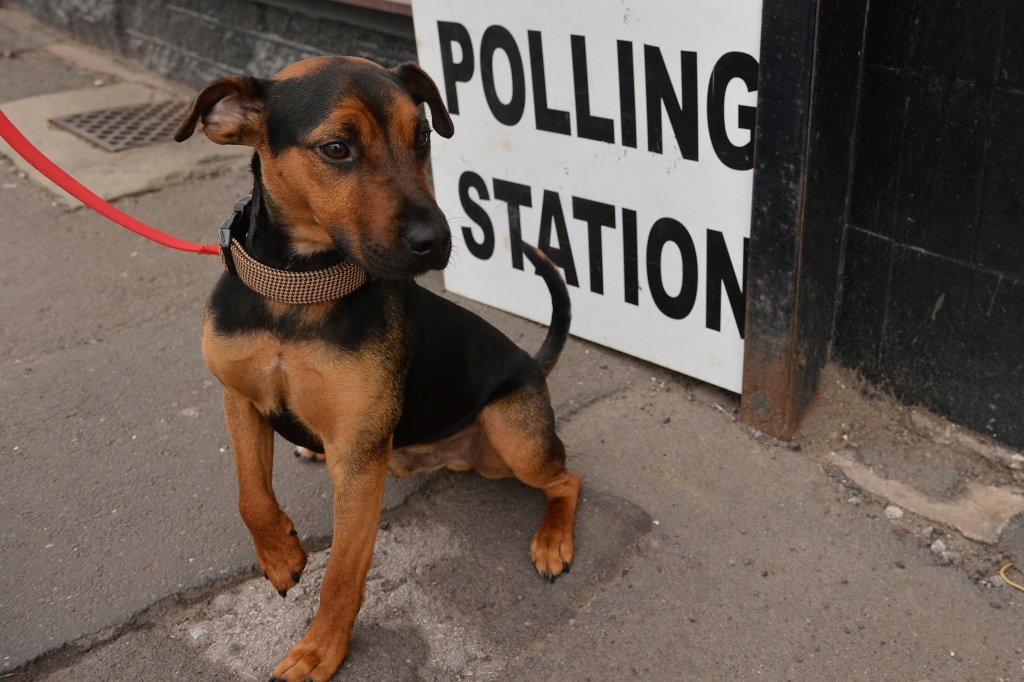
(551, 552)
(550, 577)
(307, 454)
(552, 546)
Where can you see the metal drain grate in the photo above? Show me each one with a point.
(127, 127)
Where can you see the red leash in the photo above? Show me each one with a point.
(76, 189)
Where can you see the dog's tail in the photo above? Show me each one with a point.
(561, 309)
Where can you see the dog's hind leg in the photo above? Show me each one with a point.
(521, 429)
(277, 546)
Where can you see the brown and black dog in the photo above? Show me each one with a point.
(391, 376)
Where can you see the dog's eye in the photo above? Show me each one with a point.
(423, 140)
(335, 150)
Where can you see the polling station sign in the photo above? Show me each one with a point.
(617, 135)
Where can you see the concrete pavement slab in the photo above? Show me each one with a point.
(108, 508)
(492, 587)
(38, 59)
(758, 569)
(980, 512)
(451, 595)
(20, 32)
(110, 174)
(754, 568)
(69, 278)
(453, 567)
(113, 67)
(1011, 543)
(36, 73)
(139, 655)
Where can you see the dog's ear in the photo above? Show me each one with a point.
(422, 89)
(230, 109)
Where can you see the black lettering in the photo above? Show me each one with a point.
(732, 65)
(551, 120)
(630, 268)
(596, 215)
(627, 94)
(477, 214)
(551, 212)
(720, 272)
(629, 257)
(683, 117)
(498, 38)
(664, 231)
(514, 195)
(590, 127)
(450, 32)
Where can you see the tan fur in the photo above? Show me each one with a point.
(358, 495)
(283, 175)
(346, 400)
(277, 548)
(536, 458)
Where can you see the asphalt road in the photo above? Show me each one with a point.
(702, 553)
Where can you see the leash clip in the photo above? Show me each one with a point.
(227, 228)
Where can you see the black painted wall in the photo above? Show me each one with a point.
(197, 41)
(932, 303)
(808, 80)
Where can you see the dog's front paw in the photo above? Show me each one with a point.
(311, 660)
(281, 556)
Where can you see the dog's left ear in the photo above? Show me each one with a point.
(422, 89)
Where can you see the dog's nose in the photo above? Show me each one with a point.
(430, 244)
(423, 240)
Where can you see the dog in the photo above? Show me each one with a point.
(389, 376)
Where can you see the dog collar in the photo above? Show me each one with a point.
(316, 286)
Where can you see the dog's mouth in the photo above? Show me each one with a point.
(406, 259)
(387, 262)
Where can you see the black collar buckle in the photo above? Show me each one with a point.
(235, 226)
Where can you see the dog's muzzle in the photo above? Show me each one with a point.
(430, 245)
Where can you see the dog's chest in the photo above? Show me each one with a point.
(321, 385)
(257, 365)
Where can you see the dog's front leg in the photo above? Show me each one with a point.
(358, 479)
(277, 544)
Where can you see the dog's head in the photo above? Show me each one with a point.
(343, 150)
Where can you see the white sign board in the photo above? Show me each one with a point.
(617, 135)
